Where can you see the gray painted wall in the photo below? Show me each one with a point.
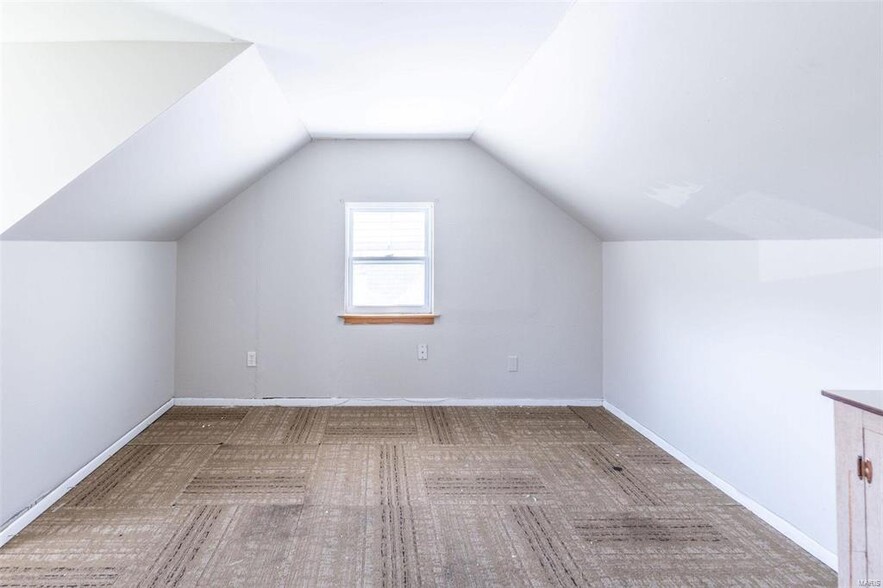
(722, 349)
(514, 276)
(88, 352)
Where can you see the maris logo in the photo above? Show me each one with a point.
(870, 582)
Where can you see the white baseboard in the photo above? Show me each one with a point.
(31, 513)
(39, 507)
(809, 544)
(388, 401)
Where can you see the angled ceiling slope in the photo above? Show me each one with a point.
(67, 105)
(704, 120)
(386, 69)
(58, 22)
(180, 167)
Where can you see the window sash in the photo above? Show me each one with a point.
(425, 260)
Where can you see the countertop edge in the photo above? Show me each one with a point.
(841, 397)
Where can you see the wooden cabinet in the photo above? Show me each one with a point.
(858, 426)
(873, 455)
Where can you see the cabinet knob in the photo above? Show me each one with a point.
(865, 469)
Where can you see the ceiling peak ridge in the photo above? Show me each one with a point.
(558, 202)
(490, 109)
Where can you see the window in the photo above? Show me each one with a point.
(389, 257)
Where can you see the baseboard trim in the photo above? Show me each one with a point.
(27, 517)
(827, 557)
(809, 544)
(388, 401)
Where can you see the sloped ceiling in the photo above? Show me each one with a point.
(180, 167)
(643, 120)
(386, 69)
(64, 106)
(57, 22)
(704, 120)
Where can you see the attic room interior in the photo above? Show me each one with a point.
(550, 293)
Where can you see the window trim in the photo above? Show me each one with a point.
(428, 260)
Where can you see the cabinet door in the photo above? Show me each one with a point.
(874, 504)
(850, 495)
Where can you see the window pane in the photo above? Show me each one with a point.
(388, 284)
(389, 234)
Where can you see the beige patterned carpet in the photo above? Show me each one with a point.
(420, 496)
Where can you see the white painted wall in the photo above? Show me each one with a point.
(67, 105)
(87, 351)
(514, 275)
(722, 349)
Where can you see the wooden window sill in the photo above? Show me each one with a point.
(388, 319)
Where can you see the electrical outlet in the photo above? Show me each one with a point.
(423, 352)
(251, 359)
(513, 363)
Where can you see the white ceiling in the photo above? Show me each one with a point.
(381, 69)
(179, 168)
(52, 22)
(64, 106)
(704, 120)
(651, 120)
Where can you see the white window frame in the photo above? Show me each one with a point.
(429, 234)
